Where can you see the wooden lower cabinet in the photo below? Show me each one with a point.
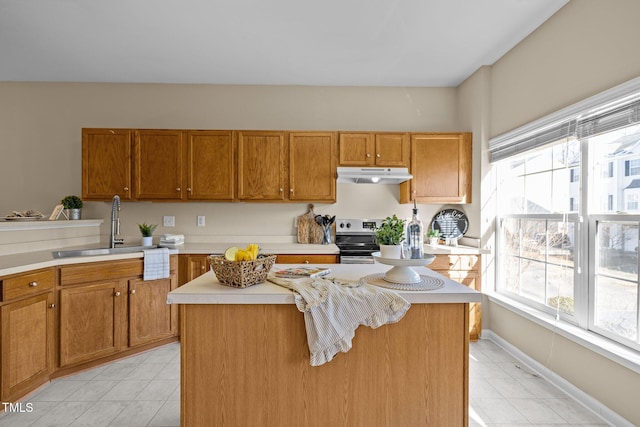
(466, 270)
(27, 344)
(92, 321)
(150, 318)
(307, 259)
(192, 266)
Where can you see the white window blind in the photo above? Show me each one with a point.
(615, 108)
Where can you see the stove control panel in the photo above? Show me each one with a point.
(349, 226)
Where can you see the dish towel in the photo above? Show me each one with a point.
(156, 264)
(333, 309)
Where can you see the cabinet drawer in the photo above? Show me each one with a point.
(27, 284)
(107, 270)
(454, 262)
(307, 259)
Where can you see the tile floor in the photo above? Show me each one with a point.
(143, 390)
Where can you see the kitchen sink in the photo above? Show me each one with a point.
(100, 251)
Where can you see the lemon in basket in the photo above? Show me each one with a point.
(230, 253)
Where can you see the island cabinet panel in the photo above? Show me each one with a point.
(262, 165)
(28, 343)
(92, 321)
(106, 164)
(158, 164)
(249, 365)
(441, 169)
(312, 166)
(374, 149)
(210, 165)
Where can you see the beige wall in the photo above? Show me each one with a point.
(585, 48)
(588, 46)
(40, 136)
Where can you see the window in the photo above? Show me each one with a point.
(568, 224)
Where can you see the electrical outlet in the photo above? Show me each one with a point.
(169, 221)
(200, 221)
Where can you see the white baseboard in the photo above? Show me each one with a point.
(581, 397)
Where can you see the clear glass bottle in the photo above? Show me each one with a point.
(415, 235)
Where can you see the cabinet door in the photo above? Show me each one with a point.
(159, 159)
(441, 169)
(261, 165)
(192, 266)
(210, 165)
(356, 149)
(307, 259)
(312, 166)
(27, 344)
(392, 149)
(93, 320)
(106, 164)
(150, 317)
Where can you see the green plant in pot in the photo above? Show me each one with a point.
(147, 233)
(73, 205)
(434, 236)
(390, 235)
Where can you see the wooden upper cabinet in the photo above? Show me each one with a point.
(374, 149)
(312, 166)
(158, 164)
(441, 169)
(106, 164)
(210, 165)
(261, 165)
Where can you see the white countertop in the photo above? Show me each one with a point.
(207, 290)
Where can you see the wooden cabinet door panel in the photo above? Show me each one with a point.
(441, 169)
(106, 164)
(150, 317)
(159, 159)
(210, 165)
(261, 160)
(192, 266)
(27, 344)
(92, 321)
(392, 149)
(312, 167)
(356, 149)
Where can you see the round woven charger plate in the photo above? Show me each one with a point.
(426, 283)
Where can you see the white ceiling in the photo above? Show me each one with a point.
(290, 42)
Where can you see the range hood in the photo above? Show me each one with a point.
(373, 175)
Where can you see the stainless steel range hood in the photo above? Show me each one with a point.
(373, 175)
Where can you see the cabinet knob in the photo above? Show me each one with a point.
(291, 190)
(33, 284)
(126, 188)
(281, 190)
(52, 306)
(368, 155)
(378, 155)
(132, 291)
(189, 189)
(117, 294)
(306, 261)
(178, 189)
(202, 267)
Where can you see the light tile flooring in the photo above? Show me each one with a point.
(143, 390)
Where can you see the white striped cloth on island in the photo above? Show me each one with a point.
(333, 309)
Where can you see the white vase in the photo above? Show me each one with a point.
(433, 241)
(147, 241)
(390, 251)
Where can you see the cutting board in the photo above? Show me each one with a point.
(308, 230)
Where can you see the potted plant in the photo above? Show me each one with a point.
(390, 235)
(73, 205)
(433, 236)
(147, 233)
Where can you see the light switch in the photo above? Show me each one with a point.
(169, 221)
(200, 221)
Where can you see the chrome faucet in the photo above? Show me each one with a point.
(115, 223)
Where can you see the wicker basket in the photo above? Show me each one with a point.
(240, 274)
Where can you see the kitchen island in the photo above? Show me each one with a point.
(245, 359)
